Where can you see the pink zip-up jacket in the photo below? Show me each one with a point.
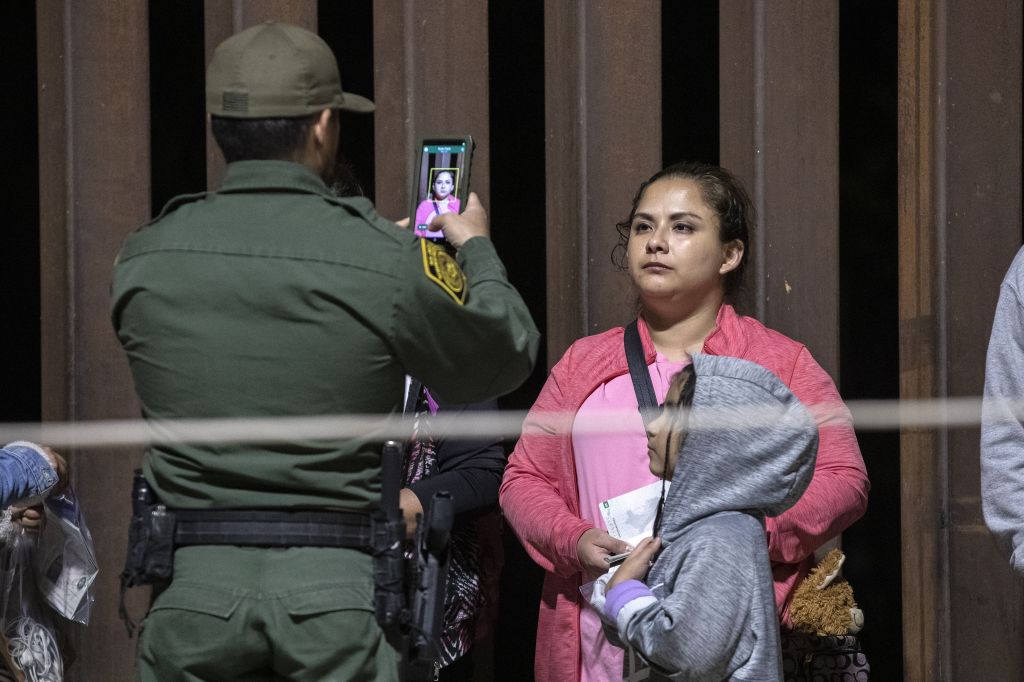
(541, 502)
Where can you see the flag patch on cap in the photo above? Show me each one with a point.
(442, 270)
(235, 101)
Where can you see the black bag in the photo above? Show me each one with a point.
(832, 658)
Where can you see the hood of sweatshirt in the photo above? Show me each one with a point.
(751, 445)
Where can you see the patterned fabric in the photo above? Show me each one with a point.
(464, 597)
(807, 658)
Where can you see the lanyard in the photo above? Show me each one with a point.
(638, 372)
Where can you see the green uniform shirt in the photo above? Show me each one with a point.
(271, 297)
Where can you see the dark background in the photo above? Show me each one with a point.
(868, 236)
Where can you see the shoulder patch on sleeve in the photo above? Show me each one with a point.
(442, 270)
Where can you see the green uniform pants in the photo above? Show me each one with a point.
(239, 613)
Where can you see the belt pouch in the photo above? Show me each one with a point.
(150, 557)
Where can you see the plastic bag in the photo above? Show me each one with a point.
(28, 640)
(65, 559)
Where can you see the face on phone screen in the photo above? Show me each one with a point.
(440, 185)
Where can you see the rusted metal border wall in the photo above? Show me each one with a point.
(960, 225)
(602, 96)
(922, 473)
(93, 90)
(779, 132)
(430, 77)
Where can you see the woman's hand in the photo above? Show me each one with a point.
(639, 562)
(593, 546)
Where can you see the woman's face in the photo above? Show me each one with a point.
(665, 434)
(674, 246)
(443, 184)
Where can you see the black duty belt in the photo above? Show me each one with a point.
(273, 528)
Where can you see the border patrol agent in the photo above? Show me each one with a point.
(272, 297)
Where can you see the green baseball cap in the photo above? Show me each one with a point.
(276, 70)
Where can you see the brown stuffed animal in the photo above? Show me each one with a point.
(823, 603)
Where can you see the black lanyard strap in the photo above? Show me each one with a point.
(637, 359)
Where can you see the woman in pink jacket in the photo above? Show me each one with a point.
(684, 245)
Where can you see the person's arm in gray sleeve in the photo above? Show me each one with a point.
(460, 327)
(27, 474)
(1002, 434)
(694, 630)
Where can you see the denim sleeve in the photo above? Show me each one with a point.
(24, 473)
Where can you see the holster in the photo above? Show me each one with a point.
(389, 596)
(431, 555)
(150, 557)
(389, 574)
(409, 591)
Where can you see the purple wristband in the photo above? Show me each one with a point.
(622, 594)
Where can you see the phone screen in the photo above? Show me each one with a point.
(443, 182)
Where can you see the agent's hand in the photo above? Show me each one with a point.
(593, 546)
(639, 562)
(61, 467)
(403, 223)
(459, 228)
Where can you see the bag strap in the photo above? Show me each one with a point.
(637, 359)
(411, 400)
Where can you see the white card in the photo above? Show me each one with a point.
(630, 516)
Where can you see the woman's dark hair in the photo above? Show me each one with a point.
(723, 193)
(685, 382)
(250, 139)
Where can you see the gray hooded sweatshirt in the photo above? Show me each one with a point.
(1002, 433)
(710, 611)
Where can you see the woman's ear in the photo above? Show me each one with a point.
(732, 253)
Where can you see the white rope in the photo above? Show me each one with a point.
(868, 415)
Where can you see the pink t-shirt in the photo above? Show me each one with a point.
(610, 464)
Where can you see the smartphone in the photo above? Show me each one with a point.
(616, 559)
(440, 182)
